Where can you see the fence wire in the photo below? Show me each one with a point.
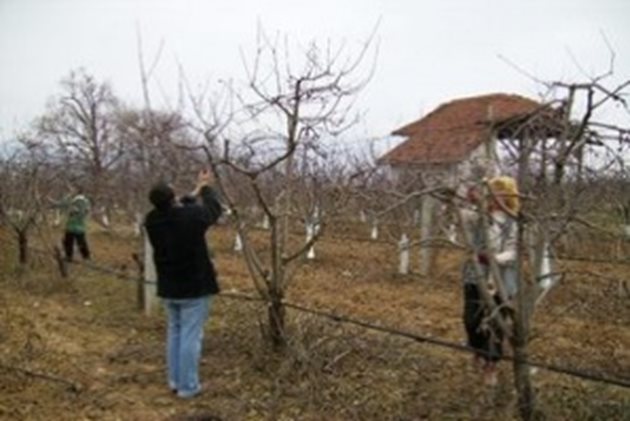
(340, 318)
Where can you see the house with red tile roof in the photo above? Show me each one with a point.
(460, 135)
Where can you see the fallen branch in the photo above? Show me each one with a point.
(73, 387)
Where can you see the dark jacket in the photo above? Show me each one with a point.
(177, 235)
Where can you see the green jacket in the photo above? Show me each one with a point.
(77, 210)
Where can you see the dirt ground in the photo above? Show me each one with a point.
(78, 348)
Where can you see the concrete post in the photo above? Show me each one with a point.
(150, 276)
(426, 233)
(403, 246)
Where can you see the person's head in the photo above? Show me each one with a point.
(505, 190)
(162, 196)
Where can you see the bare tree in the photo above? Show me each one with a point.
(560, 154)
(285, 117)
(156, 146)
(25, 180)
(79, 123)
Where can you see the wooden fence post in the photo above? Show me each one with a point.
(140, 282)
(61, 262)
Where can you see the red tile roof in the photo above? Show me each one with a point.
(452, 131)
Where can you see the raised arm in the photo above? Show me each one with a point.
(210, 203)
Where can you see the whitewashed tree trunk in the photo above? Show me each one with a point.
(316, 221)
(238, 243)
(150, 277)
(547, 280)
(265, 223)
(310, 233)
(16, 214)
(362, 216)
(403, 246)
(374, 233)
(104, 218)
(57, 220)
(451, 233)
(545, 272)
(426, 233)
(416, 217)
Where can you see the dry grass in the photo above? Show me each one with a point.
(78, 349)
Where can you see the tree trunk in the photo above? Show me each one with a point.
(23, 247)
(520, 342)
(558, 173)
(276, 313)
(522, 380)
(61, 262)
(524, 302)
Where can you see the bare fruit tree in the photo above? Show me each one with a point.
(288, 111)
(569, 158)
(157, 145)
(561, 154)
(26, 178)
(79, 124)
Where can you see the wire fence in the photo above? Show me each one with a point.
(340, 318)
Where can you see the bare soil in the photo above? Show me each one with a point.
(78, 348)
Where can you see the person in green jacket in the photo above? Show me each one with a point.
(77, 209)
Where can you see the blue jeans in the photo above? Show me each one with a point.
(186, 318)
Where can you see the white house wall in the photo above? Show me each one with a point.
(453, 174)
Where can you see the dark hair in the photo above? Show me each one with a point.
(162, 195)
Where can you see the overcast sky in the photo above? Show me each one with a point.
(431, 51)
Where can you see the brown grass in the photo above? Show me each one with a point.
(78, 349)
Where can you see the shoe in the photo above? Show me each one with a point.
(190, 395)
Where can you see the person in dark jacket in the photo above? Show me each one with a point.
(186, 277)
